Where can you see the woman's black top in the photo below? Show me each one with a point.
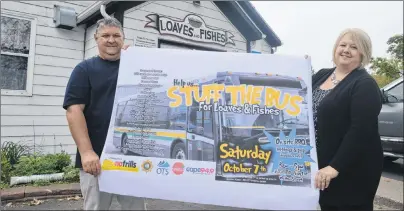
(346, 124)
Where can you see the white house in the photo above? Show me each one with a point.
(41, 44)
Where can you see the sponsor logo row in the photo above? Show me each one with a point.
(177, 168)
(162, 168)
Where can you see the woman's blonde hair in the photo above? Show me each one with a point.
(361, 40)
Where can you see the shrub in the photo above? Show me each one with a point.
(24, 164)
(62, 160)
(42, 164)
(71, 174)
(5, 169)
(14, 151)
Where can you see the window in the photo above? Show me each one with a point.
(208, 124)
(397, 92)
(201, 120)
(17, 53)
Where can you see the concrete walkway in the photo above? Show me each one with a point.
(389, 196)
(19, 193)
(391, 189)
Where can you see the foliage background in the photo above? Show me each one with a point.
(386, 70)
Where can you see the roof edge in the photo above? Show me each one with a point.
(271, 38)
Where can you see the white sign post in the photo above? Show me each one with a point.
(229, 129)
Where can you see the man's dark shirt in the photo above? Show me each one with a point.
(93, 82)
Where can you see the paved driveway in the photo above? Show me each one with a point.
(71, 204)
(76, 204)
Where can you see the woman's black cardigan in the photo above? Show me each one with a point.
(349, 140)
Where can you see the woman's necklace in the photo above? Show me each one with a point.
(334, 79)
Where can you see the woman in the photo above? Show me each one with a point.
(346, 105)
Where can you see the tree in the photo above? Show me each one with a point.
(389, 69)
(396, 46)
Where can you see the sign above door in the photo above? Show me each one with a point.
(192, 27)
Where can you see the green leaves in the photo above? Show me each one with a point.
(389, 69)
(16, 160)
(396, 46)
(71, 174)
(46, 164)
(14, 151)
(5, 168)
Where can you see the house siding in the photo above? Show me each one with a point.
(135, 20)
(261, 46)
(90, 44)
(266, 48)
(40, 119)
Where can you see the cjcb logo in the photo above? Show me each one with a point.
(147, 166)
(178, 168)
(162, 168)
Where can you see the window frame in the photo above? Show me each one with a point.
(31, 55)
(202, 120)
(394, 87)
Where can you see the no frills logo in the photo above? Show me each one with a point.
(178, 168)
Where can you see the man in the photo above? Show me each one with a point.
(88, 102)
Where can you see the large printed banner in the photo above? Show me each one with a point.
(230, 129)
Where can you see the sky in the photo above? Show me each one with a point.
(311, 27)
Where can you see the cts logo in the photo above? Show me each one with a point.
(178, 168)
(162, 168)
(200, 170)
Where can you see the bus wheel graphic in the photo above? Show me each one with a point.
(179, 151)
(124, 145)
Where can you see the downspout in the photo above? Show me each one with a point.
(88, 12)
(103, 13)
(85, 41)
